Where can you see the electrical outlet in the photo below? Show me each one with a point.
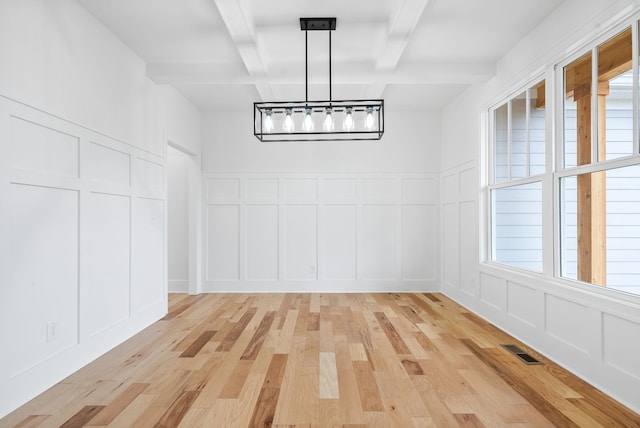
(312, 268)
(52, 331)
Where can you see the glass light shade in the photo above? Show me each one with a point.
(288, 125)
(348, 123)
(268, 122)
(369, 120)
(328, 124)
(308, 125)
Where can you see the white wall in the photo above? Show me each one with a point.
(321, 216)
(58, 58)
(588, 330)
(82, 185)
(181, 121)
(411, 143)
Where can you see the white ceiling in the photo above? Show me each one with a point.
(226, 54)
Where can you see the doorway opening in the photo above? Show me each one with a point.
(183, 221)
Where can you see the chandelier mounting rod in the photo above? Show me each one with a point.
(316, 24)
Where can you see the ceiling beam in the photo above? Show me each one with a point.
(401, 27)
(242, 30)
(217, 73)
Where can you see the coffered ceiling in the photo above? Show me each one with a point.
(226, 54)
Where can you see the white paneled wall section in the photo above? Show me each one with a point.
(593, 337)
(82, 249)
(293, 232)
(459, 193)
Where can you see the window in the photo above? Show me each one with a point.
(599, 174)
(591, 190)
(518, 153)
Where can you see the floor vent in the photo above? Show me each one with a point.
(524, 356)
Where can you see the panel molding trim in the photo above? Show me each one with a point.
(359, 232)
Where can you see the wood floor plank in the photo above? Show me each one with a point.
(198, 344)
(177, 410)
(113, 409)
(601, 416)
(412, 367)
(328, 376)
(330, 413)
(392, 334)
(184, 304)
(350, 407)
(265, 409)
(83, 417)
(275, 372)
(432, 296)
(468, 420)
(31, 421)
(313, 321)
(133, 411)
(252, 349)
(235, 332)
(236, 381)
(367, 387)
(320, 360)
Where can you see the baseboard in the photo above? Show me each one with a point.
(327, 286)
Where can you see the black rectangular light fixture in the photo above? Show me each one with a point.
(324, 120)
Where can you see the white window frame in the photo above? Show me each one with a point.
(552, 73)
(559, 170)
(510, 182)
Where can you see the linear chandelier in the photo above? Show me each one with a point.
(327, 120)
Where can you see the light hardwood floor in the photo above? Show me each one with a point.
(320, 360)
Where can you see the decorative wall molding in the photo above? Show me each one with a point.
(82, 249)
(320, 232)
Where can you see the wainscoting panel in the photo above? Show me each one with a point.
(301, 242)
(378, 242)
(524, 304)
(40, 148)
(468, 215)
(42, 287)
(223, 189)
(321, 232)
(223, 243)
(82, 247)
(379, 189)
(337, 190)
(105, 300)
(299, 189)
(565, 321)
(450, 245)
(418, 249)
(262, 242)
(493, 291)
(340, 242)
(262, 190)
(149, 176)
(108, 165)
(621, 351)
(419, 190)
(148, 253)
